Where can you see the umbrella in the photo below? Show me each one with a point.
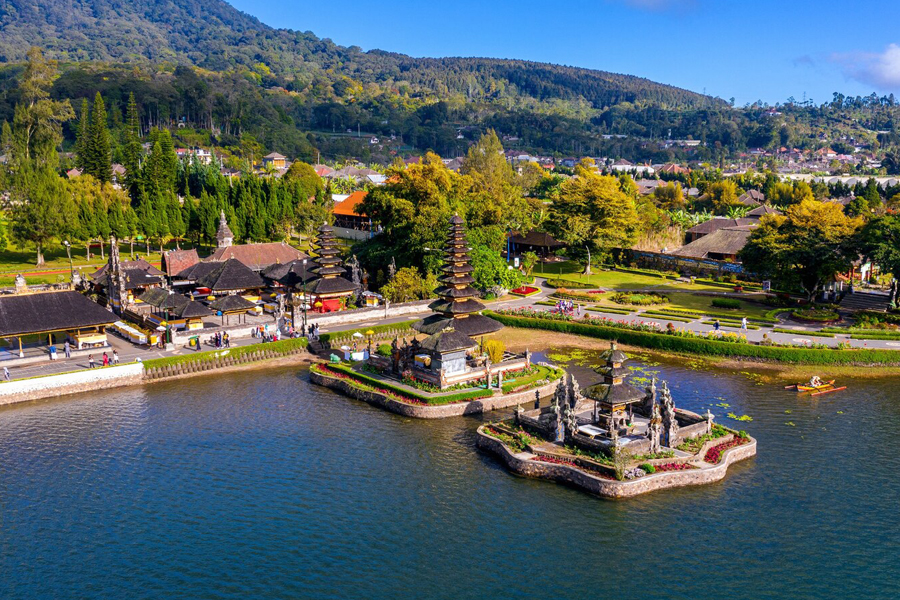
(370, 332)
(358, 335)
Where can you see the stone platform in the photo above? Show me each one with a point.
(525, 463)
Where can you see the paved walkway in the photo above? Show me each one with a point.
(128, 352)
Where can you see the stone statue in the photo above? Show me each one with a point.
(356, 278)
(556, 419)
(537, 398)
(487, 371)
(527, 358)
(395, 356)
(392, 269)
(669, 422)
(574, 392)
(654, 429)
(650, 402)
(570, 420)
(709, 421)
(21, 285)
(517, 413)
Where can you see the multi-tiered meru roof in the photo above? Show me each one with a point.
(329, 283)
(457, 306)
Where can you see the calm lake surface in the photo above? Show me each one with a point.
(260, 485)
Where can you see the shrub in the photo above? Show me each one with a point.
(568, 294)
(729, 303)
(349, 373)
(572, 285)
(821, 315)
(647, 468)
(495, 350)
(383, 350)
(638, 299)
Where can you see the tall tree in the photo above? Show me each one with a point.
(39, 208)
(83, 137)
(37, 121)
(593, 214)
(805, 247)
(98, 150)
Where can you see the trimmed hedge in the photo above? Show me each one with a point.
(427, 399)
(402, 326)
(875, 336)
(645, 272)
(671, 343)
(664, 317)
(611, 310)
(824, 334)
(680, 312)
(567, 283)
(726, 303)
(280, 347)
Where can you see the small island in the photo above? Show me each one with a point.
(614, 439)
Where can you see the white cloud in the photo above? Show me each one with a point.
(881, 70)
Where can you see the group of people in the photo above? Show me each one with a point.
(745, 325)
(106, 359)
(221, 340)
(312, 332)
(567, 307)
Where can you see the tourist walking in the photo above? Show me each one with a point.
(90, 361)
(227, 340)
(52, 352)
(105, 359)
(744, 324)
(115, 357)
(716, 325)
(5, 374)
(67, 349)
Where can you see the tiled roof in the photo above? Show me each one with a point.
(257, 256)
(348, 206)
(176, 261)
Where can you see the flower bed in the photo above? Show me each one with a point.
(673, 467)
(525, 290)
(714, 454)
(555, 461)
(567, 294)
(517, 440)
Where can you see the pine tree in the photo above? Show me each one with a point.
(132, 153)
(99, 152)
(83, 136)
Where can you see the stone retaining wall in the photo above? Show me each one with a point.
(23, 390)
(222, 359)
(520, 463)
(423, 411)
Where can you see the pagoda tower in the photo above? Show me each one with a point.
(224, 236)
(457, 306)
(329, 288)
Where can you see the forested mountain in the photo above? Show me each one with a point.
(227, 80)
(215, 36)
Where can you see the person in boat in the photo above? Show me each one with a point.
(814, 381)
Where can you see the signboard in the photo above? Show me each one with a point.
(766, 286)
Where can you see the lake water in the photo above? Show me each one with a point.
(260, 485)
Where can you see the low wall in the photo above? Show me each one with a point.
(424, 411)
(222, 359)
(522, 464)
(358, 315)
(70, 383)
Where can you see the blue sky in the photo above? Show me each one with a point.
(752, 50)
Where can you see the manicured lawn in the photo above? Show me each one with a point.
(615, 280)
(694, 302)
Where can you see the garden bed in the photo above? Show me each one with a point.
(525, 291)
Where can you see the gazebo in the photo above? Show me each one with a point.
(614, 397)
(231, 305)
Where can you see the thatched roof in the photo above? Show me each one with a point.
(448, 340)
(726, 242)
(231, 275)
(231, 303)
(54, 311)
